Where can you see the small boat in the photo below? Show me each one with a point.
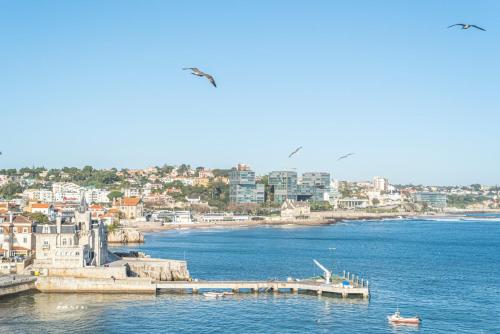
(212, 294)
(396, 318)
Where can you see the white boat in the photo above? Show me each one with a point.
(214, 295)
(396, 318)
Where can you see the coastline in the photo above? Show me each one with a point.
(320, 219)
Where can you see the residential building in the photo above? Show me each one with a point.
(283, 185)
(352, 203)
(131, 207)
(16, 236)
(380, 183)
(95, 195)
(67, 192)
(242, 186)
(293, 209)
(39, 195)
(433, 200)
(43, 208)
(314, 187)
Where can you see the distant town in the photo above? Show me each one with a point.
(65, 218)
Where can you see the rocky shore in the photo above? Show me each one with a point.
(125, 236)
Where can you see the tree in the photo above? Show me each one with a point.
(115, 194)
(10, 189)
(375, 201)
(39, 217)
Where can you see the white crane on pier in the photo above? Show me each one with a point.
(328, 273)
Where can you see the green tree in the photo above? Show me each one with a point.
(115, 194)
(10, 189)
(38, 217)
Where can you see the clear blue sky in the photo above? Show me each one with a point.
(100, 82)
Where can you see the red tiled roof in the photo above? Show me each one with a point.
(130, 201)
(40, 206)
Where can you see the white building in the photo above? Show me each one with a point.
(39, 195)
(380, 183)
(96, 195)
(75, 244)
(67, 192)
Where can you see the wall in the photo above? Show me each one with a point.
(101, 285)
(89, 272)
(8, 286)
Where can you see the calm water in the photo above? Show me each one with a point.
(446, 271)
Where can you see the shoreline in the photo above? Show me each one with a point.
(321, 219)
(330, 219)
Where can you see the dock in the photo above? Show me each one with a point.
(318, 288)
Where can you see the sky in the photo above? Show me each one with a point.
(101, 83)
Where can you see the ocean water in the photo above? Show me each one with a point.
(448, 272)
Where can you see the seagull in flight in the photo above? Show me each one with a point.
(295, 152)
(345, 156)
(196, 71)
(467, 26)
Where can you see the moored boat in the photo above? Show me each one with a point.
(396, 318)
(212, 294)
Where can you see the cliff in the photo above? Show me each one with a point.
(125, 235)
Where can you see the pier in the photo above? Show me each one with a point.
(319, 288)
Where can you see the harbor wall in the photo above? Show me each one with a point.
(11, 285)
(100, 285)
(89, 272)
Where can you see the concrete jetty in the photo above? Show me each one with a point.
(13, 284)
(318, 288)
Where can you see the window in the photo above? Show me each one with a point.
(25, 240)
(46, 242)
(64, 242)
(25, 230)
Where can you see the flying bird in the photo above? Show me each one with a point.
(467, 26)
(294, 152)
(345, 156)
(197, 72)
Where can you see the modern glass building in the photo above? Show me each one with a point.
(284, 185)
(242, 187)
(314, 187)
(434, 200)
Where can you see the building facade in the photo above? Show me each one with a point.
(433, 200)
(283, 185)
(16, 236)
(315, 186)
(242, 186)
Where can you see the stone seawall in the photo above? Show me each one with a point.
(10, 285)
(89, 272)
(125, 236)
(100, 285)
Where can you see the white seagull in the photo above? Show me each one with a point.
(295, 152)
(345, 156)
(467, 26)
(197, 72)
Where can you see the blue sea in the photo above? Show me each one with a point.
(447, 272)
